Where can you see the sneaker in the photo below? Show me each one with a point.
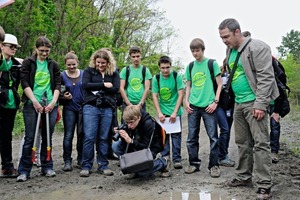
(22, 178)
(85, 173)
(68, 167)
(166, 171)
(49, 173)
(9, 173)
(215, 172)
(263, 194)
(236, 182)
(227, 162)
(191, 169)
(106, 172)
(177, 165)
(275, 157)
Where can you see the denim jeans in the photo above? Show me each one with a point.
(119, 148)
(7, 119)
(225, 123)
(30, 120)
(70, 120)
(97, 123)
(210, 123)
(176, 146)
(275, 133)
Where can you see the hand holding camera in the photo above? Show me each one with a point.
(117, 130)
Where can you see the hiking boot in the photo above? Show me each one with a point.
(227, 162)
(166, 172)
(68, 167)
(9, 173)
(49, 173)
(263, 194)
(177, 165)
(84, 173)
(191, 169)
(106, 172)
(22, 178)
(275, 157)
(236, 182)
(215, 172)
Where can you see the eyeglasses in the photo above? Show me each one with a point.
(131, 122)
(11, 46)
(168, 67)
(44, 51)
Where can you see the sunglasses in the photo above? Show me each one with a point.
(11, 46)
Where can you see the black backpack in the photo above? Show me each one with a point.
(211, 70)
(158, 79)
(282, 101)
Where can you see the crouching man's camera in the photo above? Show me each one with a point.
(116, 136)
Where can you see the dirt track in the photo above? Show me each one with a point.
(68, 185)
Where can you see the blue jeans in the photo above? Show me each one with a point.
(275, 133)
(7, 120)
(192, 143)
(225, 123)
(70, 120)
(30, 119)
(119, 148)
(97, 123)
(176, 146)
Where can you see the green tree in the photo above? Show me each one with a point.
(290, 45)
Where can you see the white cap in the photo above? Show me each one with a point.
(11, 39)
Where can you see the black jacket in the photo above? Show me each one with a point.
(14, 75)
(28, 71)
(142, 134)
(92, 81)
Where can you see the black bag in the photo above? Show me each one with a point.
(226, 98)
(136, 161)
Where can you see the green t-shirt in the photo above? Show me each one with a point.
(5, 66)
(202, 90)
(240, 85)
(168, 93)
(42, 82)
(135, 88)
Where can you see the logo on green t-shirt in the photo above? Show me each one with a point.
(42, 78)
(136, 84)
(199, 79)
(165, 93)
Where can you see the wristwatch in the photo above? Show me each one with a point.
(216, 101)
(141, 103)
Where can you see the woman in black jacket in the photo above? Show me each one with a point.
(40, 80)
(9, 101)
(101, 82)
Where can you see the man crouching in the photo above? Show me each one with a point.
(138, 136)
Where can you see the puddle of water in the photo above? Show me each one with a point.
(93, 194)
(202, 195)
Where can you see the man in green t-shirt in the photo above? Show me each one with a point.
(167, 93)
(254, 86)
(134, 86)
(201, 102)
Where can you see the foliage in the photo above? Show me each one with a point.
(292, 69)
(290, 45)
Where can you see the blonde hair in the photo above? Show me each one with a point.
(104, 54)
(131, 113)
(71, 55)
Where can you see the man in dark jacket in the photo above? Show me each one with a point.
(138, 136)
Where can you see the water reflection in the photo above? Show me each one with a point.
(202, 195)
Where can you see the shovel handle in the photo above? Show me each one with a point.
(33, 154)
(48, 153)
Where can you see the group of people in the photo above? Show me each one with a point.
(89, 101)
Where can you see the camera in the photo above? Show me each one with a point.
(100, 98)
(116, 136)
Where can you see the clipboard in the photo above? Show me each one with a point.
(171, 127)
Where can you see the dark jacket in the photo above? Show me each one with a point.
(142, 134)
(14, 75)
(92, 81)
(28, 71)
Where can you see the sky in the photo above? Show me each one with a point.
(267, 20)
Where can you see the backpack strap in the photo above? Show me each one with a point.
(191, 65)
(212, 75)
(128, 72)
(127, 75)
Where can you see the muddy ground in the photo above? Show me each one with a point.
(68, 185)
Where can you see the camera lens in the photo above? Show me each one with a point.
(116, 136)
